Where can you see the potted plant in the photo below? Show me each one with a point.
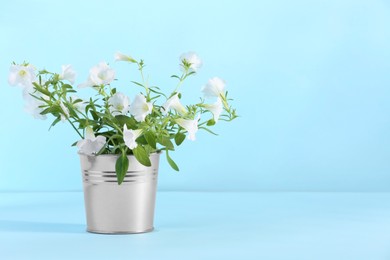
(121, 140)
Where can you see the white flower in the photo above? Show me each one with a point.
(215, 108)
(174, 102)
(86, 84)
(140, 108)
(68, 73)
(32, 106)
(21, 75)
(215, 87)
(119, 104)
(27, 91)
(118, 56)
(100, 74)
(190, 125)
(90, 144)
(33, 109)
(129, 136)
(65, 112)
(193, 59)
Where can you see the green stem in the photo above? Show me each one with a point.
(67, 118)
(116, 126)
(224, 102)
(75, 128)
(182, 78)
(140, 67)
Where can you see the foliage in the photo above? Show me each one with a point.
(108, 124)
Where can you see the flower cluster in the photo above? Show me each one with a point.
(113, 123)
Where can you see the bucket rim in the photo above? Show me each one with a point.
(115, 155)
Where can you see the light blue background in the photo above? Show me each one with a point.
(310, 80)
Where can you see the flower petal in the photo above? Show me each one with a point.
(215, 87)
(140, 108)
(191, 126)
(68, 73)
(193, 59)
(119, 104)
(118, 56)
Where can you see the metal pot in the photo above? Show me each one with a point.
(115, 209)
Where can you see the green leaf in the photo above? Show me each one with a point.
(171, 162)
(58, 119)
(150, 138)
(142, 140)
(137, 83)
(94, 115)
(121, 167)
(129, 121)
(65, 86)
(208, 130)
(141, 156)
(165, 141)
(43, 72)
(149, 149)
(155, 97)
(76, 101)
(157, 92)
(82, 123)
(179, 138)
(40, 89)
(211, 122)
(72, 112)
(52, 110)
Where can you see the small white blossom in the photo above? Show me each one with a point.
(193, 59)
(119, 104)
(129, 136)
(86, 84)
(68, 73)
(32, 106)
(215, 87)
(90, 144)
(27, 91)
(215, 108)
(118, 56)
(140, 108)
(65, 112)
(174, 102)
(191, 126)
(100, 74)
(21, 75)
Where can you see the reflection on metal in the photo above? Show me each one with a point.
(113, 208)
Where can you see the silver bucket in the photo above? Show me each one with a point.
(113, 208)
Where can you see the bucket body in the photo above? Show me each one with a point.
(115, 209)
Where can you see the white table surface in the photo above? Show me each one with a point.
(205, 225)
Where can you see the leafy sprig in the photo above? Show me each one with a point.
(160, 129)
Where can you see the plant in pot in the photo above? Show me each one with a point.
(121, 140)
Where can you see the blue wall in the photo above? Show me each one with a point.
(310, 80)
